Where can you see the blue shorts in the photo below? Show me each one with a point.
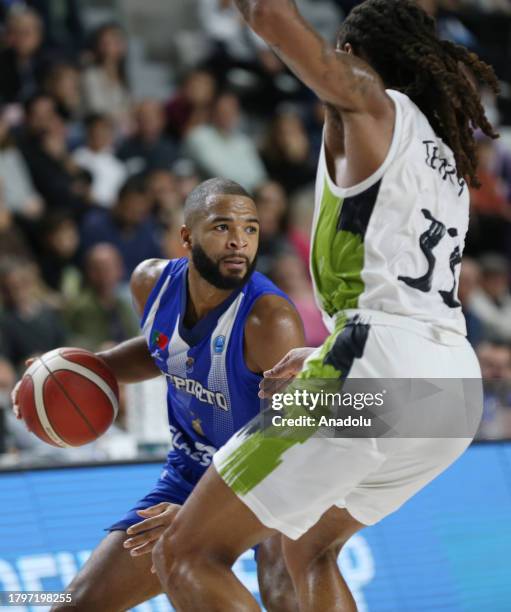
(171, 487)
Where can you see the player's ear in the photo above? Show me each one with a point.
(186, 237)
(347, 48)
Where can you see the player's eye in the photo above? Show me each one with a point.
(252, 229)
(222, 227)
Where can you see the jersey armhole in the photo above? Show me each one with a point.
(155, 291)
(345, 192)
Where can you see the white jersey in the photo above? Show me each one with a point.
(394, 242)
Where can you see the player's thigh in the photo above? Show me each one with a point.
(213, 523)
(325, 539)
(113, 580)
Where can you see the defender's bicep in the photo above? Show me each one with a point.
(338, 78)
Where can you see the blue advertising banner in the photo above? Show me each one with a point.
(448, 549)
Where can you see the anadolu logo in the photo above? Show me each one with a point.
(219, 344)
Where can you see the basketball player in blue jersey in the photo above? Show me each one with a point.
(211, 325)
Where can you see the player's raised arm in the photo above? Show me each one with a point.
(337, 77)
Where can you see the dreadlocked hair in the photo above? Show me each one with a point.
(399, 41)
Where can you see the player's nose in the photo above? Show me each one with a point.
(237, 240)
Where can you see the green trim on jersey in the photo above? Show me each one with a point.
(261, 452)
(337, 258)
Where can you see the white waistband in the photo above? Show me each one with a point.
(436, 333)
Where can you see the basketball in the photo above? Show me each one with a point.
(68, 397)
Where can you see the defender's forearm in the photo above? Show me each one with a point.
(131, 361)
(257, 12)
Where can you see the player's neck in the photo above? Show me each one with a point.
(202, 298)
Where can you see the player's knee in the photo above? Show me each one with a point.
(175, 564)
(305, 560)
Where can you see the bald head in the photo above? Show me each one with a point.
(196, 202)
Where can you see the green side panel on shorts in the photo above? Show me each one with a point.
(261, 452)
(337, 258)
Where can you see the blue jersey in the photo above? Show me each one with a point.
(211, 392)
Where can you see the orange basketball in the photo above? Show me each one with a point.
(68, 397)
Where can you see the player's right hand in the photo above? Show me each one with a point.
(15, 393)
(144, 535)
(282, 373)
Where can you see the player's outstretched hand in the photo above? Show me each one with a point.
(144, 535)
(283, 372)
(15, 392)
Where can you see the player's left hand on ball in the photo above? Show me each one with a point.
(143, 536)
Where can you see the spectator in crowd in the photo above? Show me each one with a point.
(449, 26)
(19, 194)
(57, 255)
(97, 157)
(12, 239)
(290, 274)
(42, 141)
(490, 222)
(287, 152)
(128, 226)
(22, 61)
(148, 149)
(491, 198)
(165, 190)
(105, 84)
(187, 176)
(495, 360)
(162, 189)
(63, 25)
(469, 283)
(62, 84)
(192, 104)
(238, 57)
(222, 149)
(101, 313)
(271, 202)
(231, 42)
(491, 303)
(28, 323)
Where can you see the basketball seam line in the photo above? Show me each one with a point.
(89, 425)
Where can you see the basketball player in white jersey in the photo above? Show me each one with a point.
(392, 209)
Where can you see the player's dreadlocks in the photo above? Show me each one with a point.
(399, 40)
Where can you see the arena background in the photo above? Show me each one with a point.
(156, 96)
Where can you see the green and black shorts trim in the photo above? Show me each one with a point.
(262, 445)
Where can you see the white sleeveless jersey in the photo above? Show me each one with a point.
(394, 242)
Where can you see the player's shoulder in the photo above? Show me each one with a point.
(146, 277)
(272, 328)
(271, 312)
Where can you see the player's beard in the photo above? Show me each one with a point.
(210, 270)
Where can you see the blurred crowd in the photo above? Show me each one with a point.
(93, 181)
